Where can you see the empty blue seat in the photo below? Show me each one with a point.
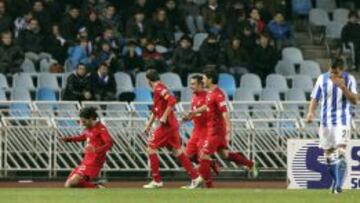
(227, 83)
(20, 110)
(45, 94)
(143, 95)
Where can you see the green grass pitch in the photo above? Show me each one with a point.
(25, 195)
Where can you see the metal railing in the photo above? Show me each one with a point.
(29, 135)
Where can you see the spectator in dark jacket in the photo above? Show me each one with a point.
(78, 86)
(350, 34)
(71, 24)
(237, 58)
(264, 58)
(11, 55)
(41, 13)
(248, 39)
(161, 30)
(32, 41)
(152, 58)
(210, 52)
(174, 15)
(257, 24)
(214, 17)
(107, 56)
(5, 19)
(185, 58)
(103, 84)
(132, 60)
(111, 19)
(57, 45)
(94, 26)
(137, 26)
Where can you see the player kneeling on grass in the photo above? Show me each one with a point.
(167, 132)
(98, 142)
(336, 92)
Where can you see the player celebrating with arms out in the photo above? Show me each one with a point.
(98, 142)
(218, 126)
(166, 134)
(336, 92)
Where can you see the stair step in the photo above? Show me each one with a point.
(324, 63)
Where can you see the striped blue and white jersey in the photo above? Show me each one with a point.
(336, 109)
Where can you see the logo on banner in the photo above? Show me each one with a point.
(309, 168)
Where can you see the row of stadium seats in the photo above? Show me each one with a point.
(66, 109)
(48, 87)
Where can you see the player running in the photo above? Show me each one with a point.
(336, 92)
(167, 132)
(198, 135)
(218, 131)
(98, 142)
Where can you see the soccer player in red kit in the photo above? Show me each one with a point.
(199, 133)
(218, 131)
(167, 132)
(98, 142)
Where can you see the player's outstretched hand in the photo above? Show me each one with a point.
(309, 118)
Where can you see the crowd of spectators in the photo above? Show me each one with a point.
(97, 38)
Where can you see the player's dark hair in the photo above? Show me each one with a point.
(88, 113)
(198, 78)
(152, 75)
(337, 63)
(212, 74)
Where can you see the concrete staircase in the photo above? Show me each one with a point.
(312, 51)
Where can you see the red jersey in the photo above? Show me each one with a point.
(197, 101)
(162, 100)
(216, 106)
(98, 137)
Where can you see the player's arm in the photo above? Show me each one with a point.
(78, 138)
(315, 98)
(311, 112)
(108, 142)
(149, 123)
(171, 101)
(349, 91)
(228, 125)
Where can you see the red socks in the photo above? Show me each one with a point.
(240, 159)
(205, 171)
(186, 163)
(85, 184)
(155, 167)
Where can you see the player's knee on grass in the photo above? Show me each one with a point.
(73, 181)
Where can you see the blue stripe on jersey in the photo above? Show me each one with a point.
(334, 104)
(325, 85)
(318, 94)
(344, 100)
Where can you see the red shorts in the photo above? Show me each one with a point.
(165, 137)
(85, 171)
(195, 144)
(213, 144)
